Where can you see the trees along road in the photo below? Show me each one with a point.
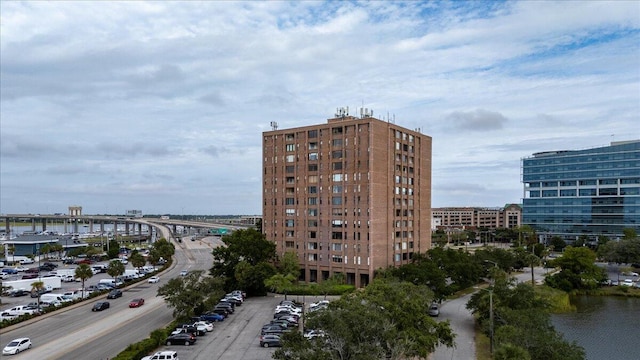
(79, 333)
(463, 323)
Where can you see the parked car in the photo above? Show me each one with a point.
(136, 303)
(16, 346)
(18, 292)
(183, 273)
(182, 338)
(10, 271)
(221, 311)
(229, 307)
(630, 273)
(313, 334)
(434, 310)
(153, 279)
(115, 293)
(270, 340)
(273, 329)
(211, 317)
(100, 305)
(162, 355)
(627, 282)
(207, 326)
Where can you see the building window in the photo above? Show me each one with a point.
(313, 145)
(291, 147)
(337, 154)
(587, 192)
(312, 223)
(290, 212)
(289, 244)
(336, 166)
(313, 257)
(313, 179)
(336, 247)
(336, 142)
(291, 180)
(336, 235)
(336, 258)
(313, 167)
(336, 130)
(608, 191)
(289, 137)
(289, 169)
(313, 189)
(312, 234)
(312, 246)
(587, 182)
(312, 201)
(313, 156)
(313, 212)
(289, 223)
(312, 134)
(336, 189)
(290, 233)
(336, 223)
(290, 158)
(336, 200)
(289, 201)
(337, 177)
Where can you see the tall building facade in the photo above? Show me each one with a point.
(350, 196)
(592, 192)
(478, 217)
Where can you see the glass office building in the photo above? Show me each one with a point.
(590, 192)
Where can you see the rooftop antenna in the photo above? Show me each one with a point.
(274, 125)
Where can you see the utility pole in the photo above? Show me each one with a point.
(493, 281)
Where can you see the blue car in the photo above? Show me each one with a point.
(9, 271)
(212, 317)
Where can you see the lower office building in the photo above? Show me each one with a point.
(574, 193)
(508, 216)
(349, 196)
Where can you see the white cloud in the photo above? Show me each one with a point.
(160, 106)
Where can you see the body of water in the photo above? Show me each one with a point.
(607, 327)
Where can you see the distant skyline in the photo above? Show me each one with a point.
(160, 106)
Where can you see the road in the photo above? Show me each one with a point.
(78, 333)
(463, 323)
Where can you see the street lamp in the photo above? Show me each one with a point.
(495, 264)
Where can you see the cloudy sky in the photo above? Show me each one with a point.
(160, 106)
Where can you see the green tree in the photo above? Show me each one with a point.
(392, 322)
(511, 352)
(557, 243)
(252, 278)
(280, 283)
(115, 269)
(422, 270)
(245, 261)
(137, 260)
(577, 270)
(83, 272)
(114, 249)
(192, 294)
(289, 265)
(521, 321)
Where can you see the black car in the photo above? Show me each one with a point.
(115, 293)
(226, 305)
(221, 311)
(19, 292)
(182, 338)
(100, 305)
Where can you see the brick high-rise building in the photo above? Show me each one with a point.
(350, 196)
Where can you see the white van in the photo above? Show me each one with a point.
(110, 282)
(52, 298)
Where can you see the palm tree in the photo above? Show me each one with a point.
(115, 269)
(37, 286)
(83, 272)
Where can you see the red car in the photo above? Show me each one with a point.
(136, 303)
